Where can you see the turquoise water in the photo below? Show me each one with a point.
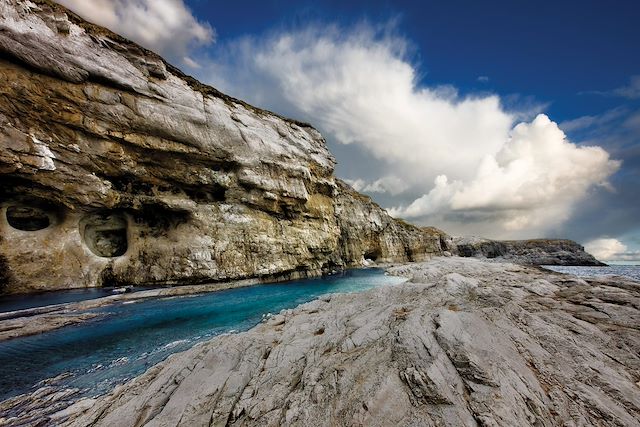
(131, 337)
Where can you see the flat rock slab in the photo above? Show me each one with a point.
(464, 342)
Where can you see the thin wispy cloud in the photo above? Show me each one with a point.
(593, 121)
(629, 91)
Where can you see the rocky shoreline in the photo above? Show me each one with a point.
(464, 342)
(526, 252)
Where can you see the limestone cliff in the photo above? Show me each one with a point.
(367, 230)
(116, 168)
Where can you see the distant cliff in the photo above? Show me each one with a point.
(534, 252)
(116, 168)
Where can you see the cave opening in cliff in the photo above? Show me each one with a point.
(109, 279)
(105, 234)
(372, 254)
(28, 218)
(157, 220)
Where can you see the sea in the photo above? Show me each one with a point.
(628, 271)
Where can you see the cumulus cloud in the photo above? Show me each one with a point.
(607, 249)
(164, 26)
(459, 158)
(534, 180)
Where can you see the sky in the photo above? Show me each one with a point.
(504, 119)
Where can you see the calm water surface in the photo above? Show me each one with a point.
(630, 271)
(130, 337)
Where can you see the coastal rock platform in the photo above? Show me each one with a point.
(463, 343)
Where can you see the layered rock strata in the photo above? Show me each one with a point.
(116, 168)
(464, 343)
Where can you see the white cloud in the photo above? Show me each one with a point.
(389, 184)
(462, 153)
(164, 26)
(607, 249)
(533, 181)
(483, 79)
(359, 88)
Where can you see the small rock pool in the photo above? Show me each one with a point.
(132, 336)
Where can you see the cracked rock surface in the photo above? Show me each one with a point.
(463, 343)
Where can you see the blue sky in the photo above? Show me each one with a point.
(479, 68)
(552, 52)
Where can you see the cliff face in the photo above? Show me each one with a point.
(366, 230)
(117, 168)
(534, 251)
